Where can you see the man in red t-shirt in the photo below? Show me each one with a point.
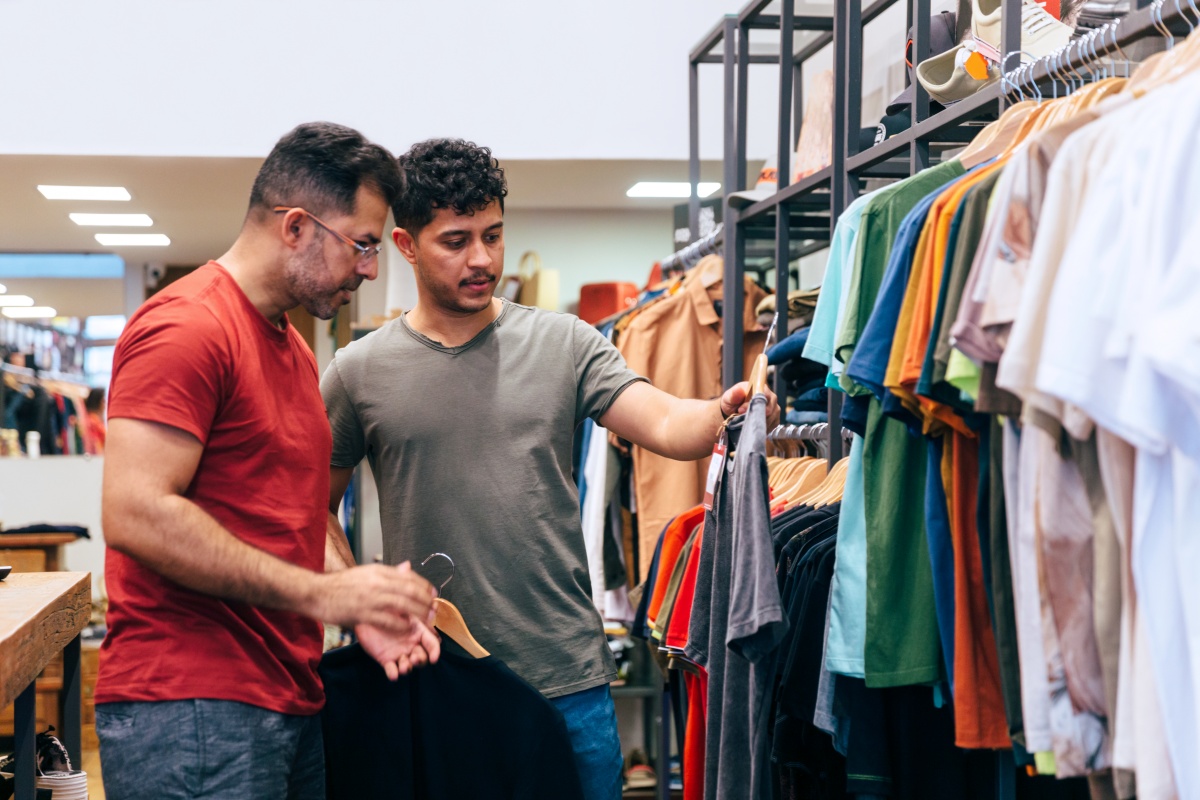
(217, 456)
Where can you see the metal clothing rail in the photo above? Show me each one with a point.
(43, 375)
(690, 256)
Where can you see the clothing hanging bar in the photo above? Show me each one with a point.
(1099, 44)
(43, 375)
(814, 432)
(690, 256)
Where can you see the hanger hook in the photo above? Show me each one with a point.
(1195, 11)
(432, 556)
(1179, 10)
(1071, 66)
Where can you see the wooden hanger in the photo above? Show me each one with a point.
(449, 620)
(1007, 126)
(710, 271)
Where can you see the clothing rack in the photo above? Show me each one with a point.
(42, 376)
(829, 191)
(690, 256)
(808, 432)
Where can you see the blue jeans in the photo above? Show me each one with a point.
(208, 749)
(592, 724)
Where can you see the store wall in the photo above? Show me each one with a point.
(584, 246)
(58, 490)
(547, 80)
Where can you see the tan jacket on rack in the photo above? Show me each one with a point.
(676, 343)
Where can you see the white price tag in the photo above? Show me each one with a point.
(714, 470)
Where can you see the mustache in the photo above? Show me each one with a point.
(478, 276)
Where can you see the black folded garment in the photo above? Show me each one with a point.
(42, 527)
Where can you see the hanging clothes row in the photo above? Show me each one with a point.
(56, 409)
(1007, 327)
(672, 336)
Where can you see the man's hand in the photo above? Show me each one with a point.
(737, 401)
(400, 654)
(388, 598)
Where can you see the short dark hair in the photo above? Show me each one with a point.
(446, 173)
(320, 166)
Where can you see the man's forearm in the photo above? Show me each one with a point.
(690, 429)
(178, 540)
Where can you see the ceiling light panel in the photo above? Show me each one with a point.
(84, 192)
(133, 239)
(31, 312)
(670, 189)
(10, 300)
(113, 220)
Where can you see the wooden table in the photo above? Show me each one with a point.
(45, 550)
(41, 613)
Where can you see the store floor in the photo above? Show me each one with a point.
(91, 765)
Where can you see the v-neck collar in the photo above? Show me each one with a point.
(441, 348)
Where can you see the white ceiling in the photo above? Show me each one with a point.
(199, 202)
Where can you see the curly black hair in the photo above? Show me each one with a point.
(320, 167)
(446, 173)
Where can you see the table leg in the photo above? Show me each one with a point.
(25, 740)
(71, 704)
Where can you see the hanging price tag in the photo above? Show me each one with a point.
(976, 66)
(714, 470)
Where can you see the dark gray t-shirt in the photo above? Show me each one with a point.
(471, 449)
(737, 617)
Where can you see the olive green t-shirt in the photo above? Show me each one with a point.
(471, 448)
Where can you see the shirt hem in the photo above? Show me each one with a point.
(297, 709)
(904, 677)
(580, 686)
(846, 667)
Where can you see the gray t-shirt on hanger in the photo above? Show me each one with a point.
(471, 449)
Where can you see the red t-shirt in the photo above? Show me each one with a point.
(199, 357)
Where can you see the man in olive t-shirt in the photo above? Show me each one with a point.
(466, 408)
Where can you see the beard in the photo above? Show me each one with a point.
(306, 276)
(451, 298)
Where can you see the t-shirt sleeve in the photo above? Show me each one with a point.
(349, 442)
(600, 372)
(171, 366)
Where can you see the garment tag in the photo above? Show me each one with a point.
(714, 469)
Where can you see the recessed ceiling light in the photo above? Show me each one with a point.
(32, 312)
(84, 192)
(670, 189)
(133, 239)
(113, 220)
(9, 300)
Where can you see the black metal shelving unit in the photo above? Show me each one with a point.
(800, 217)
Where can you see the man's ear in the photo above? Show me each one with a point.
(291, 227)
(406, 244)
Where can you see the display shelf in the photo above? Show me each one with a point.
(817, 182)
(947, 123)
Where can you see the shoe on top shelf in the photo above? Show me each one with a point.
(947, 78)
(1041, 32)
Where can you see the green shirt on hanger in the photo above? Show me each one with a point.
(902, 644)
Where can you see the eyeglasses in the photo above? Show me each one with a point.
(365, 252)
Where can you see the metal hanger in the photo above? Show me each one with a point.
(1184, 17)
(449, 620)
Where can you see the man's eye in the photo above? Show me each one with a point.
(456, 243)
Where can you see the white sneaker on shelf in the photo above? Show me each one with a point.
(1041, 33)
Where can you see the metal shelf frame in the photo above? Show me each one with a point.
(831, 190)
